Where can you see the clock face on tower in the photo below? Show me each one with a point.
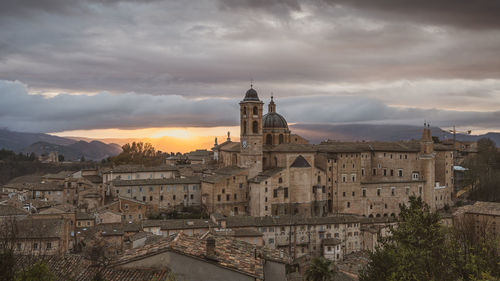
(244, 143)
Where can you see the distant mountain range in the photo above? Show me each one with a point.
(74, 148)
(316, 133)
(40, 143)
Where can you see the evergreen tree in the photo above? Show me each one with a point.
(319, 270)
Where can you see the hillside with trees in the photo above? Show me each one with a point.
(483, 173)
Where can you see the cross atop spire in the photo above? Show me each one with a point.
(272, 105)
(251, 83)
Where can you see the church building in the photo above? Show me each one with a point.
(273, 172)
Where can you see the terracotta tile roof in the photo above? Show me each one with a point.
(36, 186)
(77, 268)
(223, 173)
(291, 147)
(186, 180)
(84, 216)
(59, 176)
(265, 175)
(29, 228)
(480, 207)
(140, 168)
(229, 253)
(7, 210)
(248, 221)
(33, 178)
(93, 178)
(179, 224)
(229, 146)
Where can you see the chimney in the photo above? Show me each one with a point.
(210, 247)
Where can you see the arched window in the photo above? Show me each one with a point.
(319, 179)
(280, 180)
(269, 139)
(244, 111)
(255, 111)
(255, 127)
(281, 138)
(244, 128)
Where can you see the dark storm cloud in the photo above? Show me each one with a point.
(21, 111)
(465, 14)
(384, 55)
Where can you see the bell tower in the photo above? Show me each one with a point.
(251, 132)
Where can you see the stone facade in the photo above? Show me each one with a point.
(163, 194)
(290, 176)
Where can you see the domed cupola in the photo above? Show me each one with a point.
(251, 95)
(273, 120)
(274, 126)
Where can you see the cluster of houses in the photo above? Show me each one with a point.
(264, 206)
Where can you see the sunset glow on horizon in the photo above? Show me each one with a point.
(164, 139)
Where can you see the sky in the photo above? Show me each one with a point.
(149, 69)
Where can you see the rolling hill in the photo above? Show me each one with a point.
(40, 143)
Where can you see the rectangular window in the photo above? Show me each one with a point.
(192, 196)
(378, 191)
(35, 246)
(235, 196)
(151, 188)
(144, 198)
(228, 197)
(393, 191)
(344, 178)
(150, 198)
(218, 197)
(374, 172)
(385, 172)
(400, 172)
(241, 185)
(275, 193)
(49, 245)
(364, 192)
(173, 197)
(286, 192)
(353, 177)
(392, 173)
(363, 172)
(161, 197)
